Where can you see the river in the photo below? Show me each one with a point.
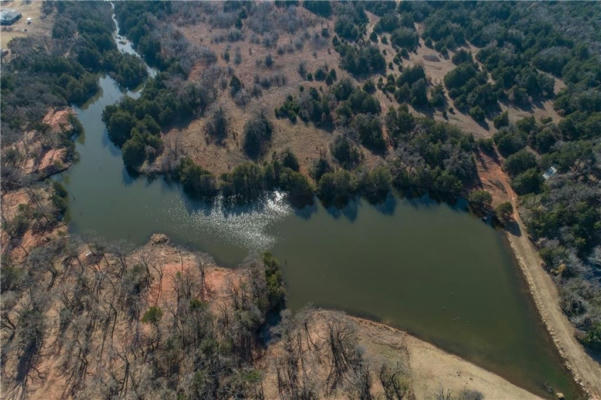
(428, 268)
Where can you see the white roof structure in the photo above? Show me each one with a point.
(549, 172)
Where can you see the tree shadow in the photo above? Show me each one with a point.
(594, 354)
(536, 102)
(420, 201)
(522, 107)
(109, 145)
(129, 175)
(425, 109)
(513, 228)
(388, 205)
(350, 210)
(494, 156)
(307, 211)
(482, 123)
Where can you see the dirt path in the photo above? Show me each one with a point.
(586, 371)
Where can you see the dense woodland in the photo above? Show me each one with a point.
(59, 71)
(505, 54)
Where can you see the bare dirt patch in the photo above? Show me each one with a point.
(41, 153)
(52, 161)
(40, 25)
(433, 369)
(493, 179)
(58, 120)
(40, 229)
(428, 369)
(11, 202)
(168, 263)
(32, 240)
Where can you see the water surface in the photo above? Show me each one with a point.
(431, 269)
(427, 268)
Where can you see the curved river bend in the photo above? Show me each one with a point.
(430, 269)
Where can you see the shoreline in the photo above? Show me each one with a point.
(585, 371)
(429, 369)
(582, 368)
(478, 372)
(544, 294)
(422, 351)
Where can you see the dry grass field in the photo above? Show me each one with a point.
(246, 60)
(40, 25)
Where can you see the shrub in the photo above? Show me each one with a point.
(235, 85)
(244, 184)
(375, 184)
(322, 8)
(369, 130)
(519, 162)
(289, 160)
(268, 61)
(504, 211)
(487, 146)
(480, 200)
(217, 126)
(346, 28)
(331, 78)
(196, 181)
(59, 198)
(592, 339)
(405, 38)
(153, 315)
(345, 152)
(529, 181)
(134, 153)
(257, 135)
(361, 102)
(320, 167)
(462, 56)
(501, 120)
(477, 113)
(369, 87)
(418, 94)
(289, 109)
(336, 188)
(387, 23)
(119, 126)
(276, 293)
(300, 191)
(437, 98)
(509, 141)
(361, 61)
(399, 122)
(460, 75)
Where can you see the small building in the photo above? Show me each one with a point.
(9, 16)
(549, 172)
